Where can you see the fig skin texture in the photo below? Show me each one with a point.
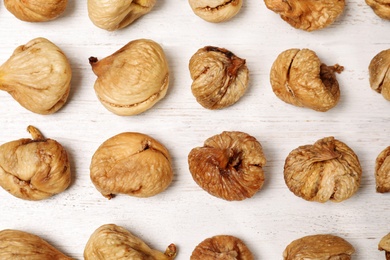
(380, 7)
(379, 73)
(216, 11)
(382, 171)
(384, 245)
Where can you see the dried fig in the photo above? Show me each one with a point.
(131, 163)
(380, 74)
(220, 78)
(380, 7)
(34, 169)
(382, 171)
(229, 165)
(15, 244)
(133, 79)
(384, 245)
(36, 10)
(299, 78)
(37, 75)
(222, 247)
(308, 15)
(114, 242)
(314, 247)
(116, 14)
(216, 11)
(326, 170)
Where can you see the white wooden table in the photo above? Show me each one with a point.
(185, 214)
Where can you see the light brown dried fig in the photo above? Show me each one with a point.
(299, 78)
(37, 75)
(380, 7)
(131, 163)
(216, 11)
(133, 79)
(20, 245)
(315, 247)
(34, 169)
(36, 10)
(384, 245)
(380, 74)
(382, 171)
(326, 170)
(116, 14)
(220, 78)
(308, 15)
(222, 247)
(229, 165)
(112, 242)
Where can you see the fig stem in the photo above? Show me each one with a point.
(35, 133)
(171, 251)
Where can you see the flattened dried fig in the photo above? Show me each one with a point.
(116, 14)
(380, 74)
(37, 75)
(222, 247)
(314, 247)
(36, 10)
(308, 15)
(114, 242)
(380, 7)
(220, 78)
(382, 171)
(326, 170)
(216, 11)
(131, 163)
(229, 165)
(384, 245)
(15, 244)
(34, 169)
(299, 78)
(133, 79)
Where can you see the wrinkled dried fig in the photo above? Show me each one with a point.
(384, 245)
(380, 7)
(220, 78)
(299, 78)
(133, 79)
(382, 171)
(315, 247)
(380, 74)
(131, 163)
(112, 242)
(229, 165)
(36, 10)
(308, 15)
(34, 169)
(37, 75)
(116, 14)
(216, 11)
(20, 245)
(326, 170)
(222, 247)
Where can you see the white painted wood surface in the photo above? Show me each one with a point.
(185, 214)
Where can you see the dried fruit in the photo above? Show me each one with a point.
(133, 79)
(384, 245)
(37, 75)
(116, 14)
(114, 242)
(36, 10)
(220, 78)
(216, 11)
(222, 247)
(326, 170)
(299, 78)
(34, 169)
(380, 7)
(316, 247)
(382, 171)
(308, 15)
(15, 244)
(380, 74)
(229, 165)
(131, 163)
